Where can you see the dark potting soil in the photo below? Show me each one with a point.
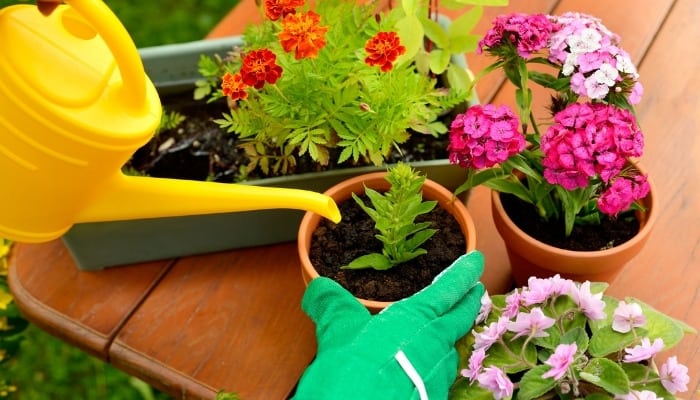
(610, 233)
(335, 245)
(198, 149)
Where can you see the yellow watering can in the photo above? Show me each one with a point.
(75, 103)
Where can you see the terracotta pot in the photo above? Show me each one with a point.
(343, 190)
(530, 257)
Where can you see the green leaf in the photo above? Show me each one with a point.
(456, 4)
(463, 390)
(506, 186)
(458, 78)
(373, 260)
(509, 358)
(605, 341)
(606, 374)
(463, 44)
(465, 23)
(439, 60)
(645, 378)
(410, 30)
(435, 32)
(660, 325)
(533, 385)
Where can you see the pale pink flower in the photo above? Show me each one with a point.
(497, 382)
(560, 360)
(537, 291)
(476, 363)
(627, 316)
(560, 286)
(512, 305)
(532, 324)
(491, 334)
(674, 376)
(638, 395)
(592, 305)
(643, 351)
(485, 310)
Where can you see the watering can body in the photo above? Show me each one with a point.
(75, 103)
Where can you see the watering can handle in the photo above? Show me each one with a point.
(119, 42)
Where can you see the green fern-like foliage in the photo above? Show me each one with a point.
(335, 100)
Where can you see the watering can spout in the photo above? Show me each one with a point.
(131, 197)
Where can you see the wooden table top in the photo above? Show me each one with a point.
(232, 320)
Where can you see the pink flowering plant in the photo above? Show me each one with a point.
(556, 338)
(574, 167)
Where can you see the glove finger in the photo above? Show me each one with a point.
(448, 288)
(442, 375)
(337, 313)
(429, 346)
(456, 322)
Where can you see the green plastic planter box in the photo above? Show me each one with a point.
(94, 246)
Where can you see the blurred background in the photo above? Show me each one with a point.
(44, 367)
(154, 22)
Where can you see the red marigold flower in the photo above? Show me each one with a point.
(260, 66)
(233, 86)
(276, 9)
(302, 34)
(383, 49)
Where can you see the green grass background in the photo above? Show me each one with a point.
(154, 22)
(46, 368)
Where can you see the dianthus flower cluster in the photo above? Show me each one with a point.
(592, 56)
(589, 140)
(554, 336)
(526, 33)
(484, 136)
(588, 147)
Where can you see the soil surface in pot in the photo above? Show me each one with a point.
(198, 149)
(610, 233)
(335, 245)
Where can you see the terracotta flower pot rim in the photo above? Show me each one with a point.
(340, 193)
(646, 225)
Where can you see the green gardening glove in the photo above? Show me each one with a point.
(404, 352)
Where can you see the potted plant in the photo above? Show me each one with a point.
(438, 82)
(556, 338)
(564, 183)
(399, 230)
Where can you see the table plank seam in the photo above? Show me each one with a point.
(113, 335)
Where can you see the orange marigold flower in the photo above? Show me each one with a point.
(383, 49)
(276, 9)
(302, 34)
(260, 66)
(233, 86)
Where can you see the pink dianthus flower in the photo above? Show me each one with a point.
(620, 195)
(526, 33)
(484, 136)
(589, 139)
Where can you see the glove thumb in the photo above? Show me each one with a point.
(335, 311)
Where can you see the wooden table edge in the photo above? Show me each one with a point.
(48, 320)
(63, 327)
(135, 362)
